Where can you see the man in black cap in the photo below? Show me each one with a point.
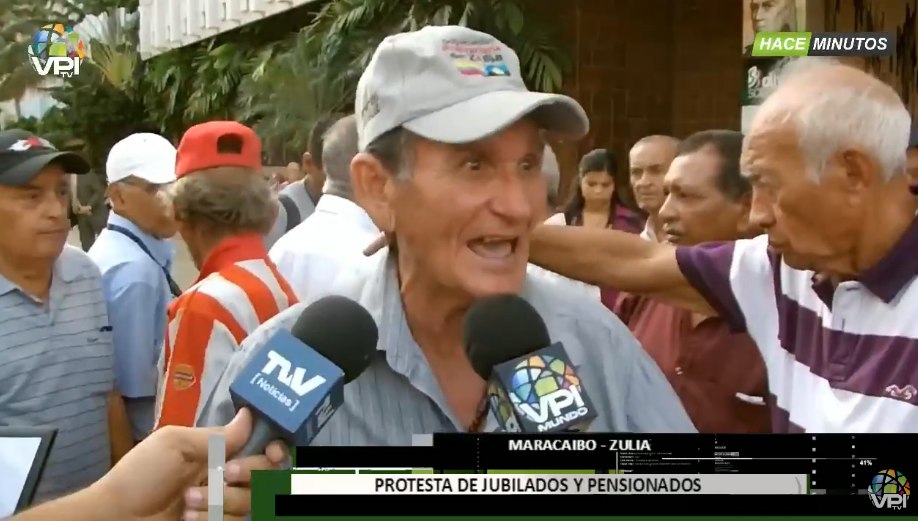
(912, 156)
(56, 352)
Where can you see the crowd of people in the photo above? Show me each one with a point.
(719, 282)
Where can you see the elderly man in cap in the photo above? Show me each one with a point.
(223, 207)
(450, 166)
(135, 254)
(56, 356)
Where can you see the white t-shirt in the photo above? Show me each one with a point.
(301, 198)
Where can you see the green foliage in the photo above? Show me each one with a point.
(348, 31)
(281, 87)
(315, 73)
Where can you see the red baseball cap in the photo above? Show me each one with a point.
(218, 143)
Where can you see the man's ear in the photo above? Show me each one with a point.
(113, 192)
(373, 190)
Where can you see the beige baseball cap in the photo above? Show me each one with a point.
(452, 84)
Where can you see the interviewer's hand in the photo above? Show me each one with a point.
(237, 492)
(149, 482)
(379, 243)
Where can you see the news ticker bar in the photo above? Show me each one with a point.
(670, 453)
(385, 495)
(522, 484)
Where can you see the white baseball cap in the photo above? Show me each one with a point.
(451, 84)
(146, 156)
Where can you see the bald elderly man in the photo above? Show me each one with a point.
(648, 161)
(832, 194)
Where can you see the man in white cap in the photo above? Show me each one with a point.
(450, 167)
(135, 256)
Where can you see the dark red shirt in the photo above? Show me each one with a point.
(719, 375)
(626, 220)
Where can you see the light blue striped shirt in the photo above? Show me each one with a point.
(137, 294)
(57, 370)
(398, 396)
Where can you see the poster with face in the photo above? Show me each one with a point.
(770, 16)
(761, 74)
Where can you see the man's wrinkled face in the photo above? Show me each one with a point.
(648, 163)
(772, 15)
(811, 223)
(34, 215)
(696, 209)
(465, 214)
(144, 204)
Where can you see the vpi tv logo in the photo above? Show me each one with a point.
(56, 50)
(889, 489)
(294, 378)
(547, 391)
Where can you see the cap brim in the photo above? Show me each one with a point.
(157, 177)
(24, 172)
(492, 112)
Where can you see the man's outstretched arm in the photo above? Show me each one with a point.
(617, 260)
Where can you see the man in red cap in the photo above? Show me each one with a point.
(223, 206)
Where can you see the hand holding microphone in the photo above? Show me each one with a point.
(532, 385)
(153, 482)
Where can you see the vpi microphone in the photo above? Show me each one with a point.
(295, 382)
(532, 385)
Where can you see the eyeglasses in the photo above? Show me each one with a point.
(149, 188)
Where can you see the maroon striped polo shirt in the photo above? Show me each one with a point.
(839, 359)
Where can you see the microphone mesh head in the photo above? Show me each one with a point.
(342, 331)
(501, 328)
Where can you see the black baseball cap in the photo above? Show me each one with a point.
(24, 155)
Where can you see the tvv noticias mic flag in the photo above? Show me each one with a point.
(775, 44)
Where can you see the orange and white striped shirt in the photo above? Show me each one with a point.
(239, 288)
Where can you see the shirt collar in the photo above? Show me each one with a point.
(889, 276)
(648, 232)
(231, 250)
(350, 210)
(161, 249)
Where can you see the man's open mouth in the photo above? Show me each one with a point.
(493, 247)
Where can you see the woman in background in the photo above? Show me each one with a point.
(601, 198)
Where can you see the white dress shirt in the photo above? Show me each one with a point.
(311, 255)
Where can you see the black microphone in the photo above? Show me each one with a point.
(532, 385)
(295, 382)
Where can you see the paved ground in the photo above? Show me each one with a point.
(183, 270)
